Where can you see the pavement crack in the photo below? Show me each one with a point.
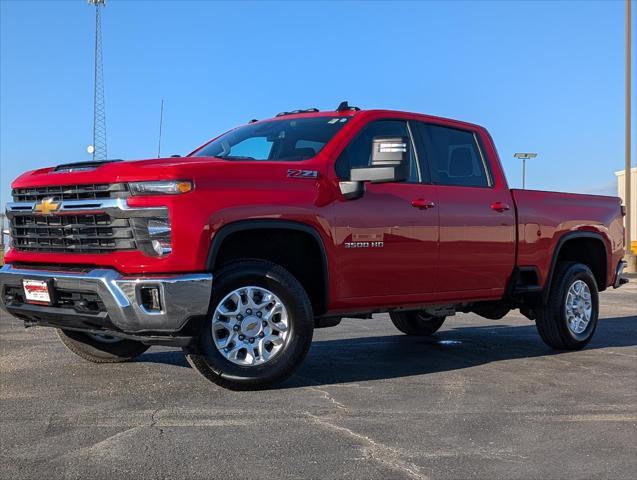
(327, 396)
(377, 451)
(154, 420)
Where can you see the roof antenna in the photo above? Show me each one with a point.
(344, 107)
(161, 121)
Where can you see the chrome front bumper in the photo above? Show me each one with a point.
(182, 297)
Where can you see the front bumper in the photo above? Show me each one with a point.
(182, 297)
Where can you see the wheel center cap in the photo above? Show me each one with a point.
(580, 306)
(251, 326)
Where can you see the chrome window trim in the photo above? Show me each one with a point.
(485, 165)
(416, 156)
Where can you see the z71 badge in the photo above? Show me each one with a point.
(294, 173)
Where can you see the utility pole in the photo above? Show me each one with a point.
(99, 109)
(524, 157)
(627, 192)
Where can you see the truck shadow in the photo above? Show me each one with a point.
(393, 356)
(386, 357)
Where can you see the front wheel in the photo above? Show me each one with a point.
(569, 319)
(101, 348)
(416, 323)
(259, 329)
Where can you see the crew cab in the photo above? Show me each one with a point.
(238, 250)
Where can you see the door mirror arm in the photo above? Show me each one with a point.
(351, 190)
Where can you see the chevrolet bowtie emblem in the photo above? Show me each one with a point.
(46, 206)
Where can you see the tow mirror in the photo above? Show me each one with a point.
(389, 163)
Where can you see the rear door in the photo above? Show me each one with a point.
(477, 219)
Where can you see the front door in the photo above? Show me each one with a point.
(389, 236)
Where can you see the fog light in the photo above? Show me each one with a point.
(161, 247)
(150, 299)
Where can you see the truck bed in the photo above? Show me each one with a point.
(544, 218)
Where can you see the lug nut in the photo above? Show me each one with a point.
(239, 317)
(265, 324)
(236, 328)
(261, 334)
(259, 314)
(249, 311)
(252, 340)
(242, 337)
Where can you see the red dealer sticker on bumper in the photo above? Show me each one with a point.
(37, 291)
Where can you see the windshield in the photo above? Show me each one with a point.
(292, 139)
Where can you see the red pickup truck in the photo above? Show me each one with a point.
(237, 251)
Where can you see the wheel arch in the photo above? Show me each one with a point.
(569, 247)
(224, 234)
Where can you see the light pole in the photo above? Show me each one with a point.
(524, 157)
(2, 232)
(627, 179)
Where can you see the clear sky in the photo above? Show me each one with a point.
(542, 76)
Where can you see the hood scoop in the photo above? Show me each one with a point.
(81, 166)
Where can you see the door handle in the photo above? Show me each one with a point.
(422, 204)
(500, 207)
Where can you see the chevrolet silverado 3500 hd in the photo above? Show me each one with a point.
(239, 250)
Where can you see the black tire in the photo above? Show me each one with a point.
(419, 324)
(206, 358)
(96, 351)
(551, 319)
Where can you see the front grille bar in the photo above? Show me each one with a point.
(70, 192)
(115, 207)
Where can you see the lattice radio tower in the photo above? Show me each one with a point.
(99, 109)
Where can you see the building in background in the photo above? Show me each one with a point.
(633, 191)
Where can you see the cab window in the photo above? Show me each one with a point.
(359, 152)
(454, 156)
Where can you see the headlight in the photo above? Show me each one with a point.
(170, 187)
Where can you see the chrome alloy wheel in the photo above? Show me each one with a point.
(103, 338)
(250, 326)
(578, 307)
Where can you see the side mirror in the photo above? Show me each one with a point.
(390, 161)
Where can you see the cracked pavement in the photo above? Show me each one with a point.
(482, 399)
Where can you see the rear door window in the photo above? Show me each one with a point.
(454, 156)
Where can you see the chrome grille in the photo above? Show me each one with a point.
(81, 233)
(70, 192)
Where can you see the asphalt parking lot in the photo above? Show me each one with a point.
(483, 399)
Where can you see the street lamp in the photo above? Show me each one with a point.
(524, 157)
(630, 257)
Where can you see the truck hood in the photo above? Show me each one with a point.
(114, 171)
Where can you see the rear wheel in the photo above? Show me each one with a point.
(101, 348)
(259, 329)
(416, 323)
(569, 319)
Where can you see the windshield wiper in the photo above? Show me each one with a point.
(235, 157)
